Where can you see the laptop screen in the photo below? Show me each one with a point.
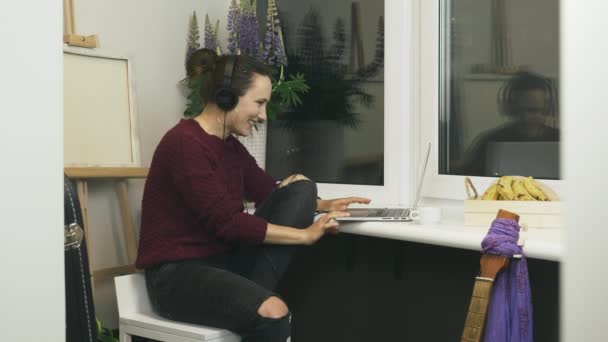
(537, 159)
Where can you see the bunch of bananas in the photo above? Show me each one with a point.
(512, 188)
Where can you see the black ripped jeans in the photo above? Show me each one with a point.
(226, 291)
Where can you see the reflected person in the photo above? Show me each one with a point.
(529, 100)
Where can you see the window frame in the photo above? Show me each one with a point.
(397, 114)
(426, 41)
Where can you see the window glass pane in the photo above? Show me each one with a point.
(337, 134)
(499, 75)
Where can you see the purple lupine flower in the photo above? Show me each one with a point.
(210, 35)
(232, 26)
(244, 25)
(254, 39)
(193, 36)
(268, 36)
(248, 29)
(280, 52)
(274, 50)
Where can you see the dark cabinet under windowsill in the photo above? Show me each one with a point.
(357, 288)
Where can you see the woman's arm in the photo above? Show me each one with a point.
(282, 235)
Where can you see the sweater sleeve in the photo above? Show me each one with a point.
(258, 184)
(203, 191)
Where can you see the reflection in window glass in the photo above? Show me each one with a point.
(499, 74)
(337, 134)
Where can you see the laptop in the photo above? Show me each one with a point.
(388, 214)
(538, 159)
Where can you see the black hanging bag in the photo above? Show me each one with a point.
(81, 325)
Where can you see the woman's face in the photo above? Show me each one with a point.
(532, 107)
(251, 107)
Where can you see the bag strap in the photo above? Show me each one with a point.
(73, 232)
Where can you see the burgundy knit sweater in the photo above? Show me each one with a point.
(193, 198)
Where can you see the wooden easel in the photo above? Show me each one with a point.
(120, 175)
(69, 29)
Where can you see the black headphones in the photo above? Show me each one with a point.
(225, 97)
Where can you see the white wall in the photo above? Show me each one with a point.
(585, 162)
(32, 306)
(153, 34)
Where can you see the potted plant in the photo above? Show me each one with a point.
(243, 38)
(309, 138)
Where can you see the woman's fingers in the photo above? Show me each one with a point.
(334, 214)
(326, 224)
(343, 203)
(360, 200)
(330, 218)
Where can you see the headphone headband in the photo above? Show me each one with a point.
(225, 97)
(228, 70)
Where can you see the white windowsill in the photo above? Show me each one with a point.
(543, 244)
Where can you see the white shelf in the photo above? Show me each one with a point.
(539, 243)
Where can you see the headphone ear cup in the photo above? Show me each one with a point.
(226, 99)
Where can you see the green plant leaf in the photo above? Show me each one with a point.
(286, 94)
(106, 338)
(104, 334)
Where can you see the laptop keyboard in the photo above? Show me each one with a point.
(389, 213)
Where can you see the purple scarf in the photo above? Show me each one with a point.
(510, 309)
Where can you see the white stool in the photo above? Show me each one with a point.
(138, 319)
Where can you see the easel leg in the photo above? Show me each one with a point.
(127, 220)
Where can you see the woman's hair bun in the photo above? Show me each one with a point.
(200, 62)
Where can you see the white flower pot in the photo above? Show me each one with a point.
(256, 144)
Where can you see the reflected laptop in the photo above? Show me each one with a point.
(388, 214)
(538, 159)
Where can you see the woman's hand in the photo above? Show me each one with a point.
(340, 204)
(322, 225)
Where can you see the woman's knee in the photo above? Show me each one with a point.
(273, 307)
(274, 323)
(302, 185)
